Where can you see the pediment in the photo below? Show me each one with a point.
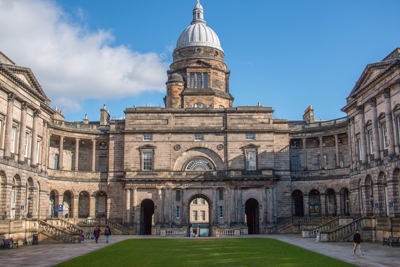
(249, 146)
(200, 63)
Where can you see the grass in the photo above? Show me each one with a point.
(215, 252)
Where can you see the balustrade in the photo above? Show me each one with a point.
(59, 233)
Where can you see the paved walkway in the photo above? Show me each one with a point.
(51, 254)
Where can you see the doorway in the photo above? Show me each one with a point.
(298, 207)
(146, 216)
(252, 216)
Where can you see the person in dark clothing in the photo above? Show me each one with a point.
(357, 242)
(107, 232)
(96, 233)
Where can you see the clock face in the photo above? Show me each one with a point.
(198, 50)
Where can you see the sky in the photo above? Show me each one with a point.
(285, 54)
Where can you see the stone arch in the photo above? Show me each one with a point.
(198, 152)
(344, 201)
(210, 214)
(53, 203)
(252, 216)
(297, 203)
(314, 203)
(101, 204)
(68, 204)
(3, 183)
(84, 204)
(330, 202)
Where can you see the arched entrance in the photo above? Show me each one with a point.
(101, 205)
(330, 202)
(53, 204)
(84, 204)
(344, 202)
(252, 216)
(369, 196)
(297, 203)
(68, 204)
(29, 198)
(199, 216)
(315, 203)
(146, 216)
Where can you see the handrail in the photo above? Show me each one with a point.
(59, 233)
(324, 227)
(275, 229)
(121, 228)
(344, 230)
(75, 228)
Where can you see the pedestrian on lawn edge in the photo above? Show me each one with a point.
(357, 242)
(107, 232)
(96, 233)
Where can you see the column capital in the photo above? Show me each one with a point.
(77, 139)
(386, 93)
(372, 101)
(360, 109)
(321, 138)
(304, 139)
(11, 96)
(24, 105)
(37, 112)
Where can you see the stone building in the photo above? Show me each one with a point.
(255, 172)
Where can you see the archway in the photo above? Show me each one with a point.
(68, 204)
(315, 203)
(146, 216)
(297, 203)
(15, 197)
(344, 202)
(396, 192)
(252, 216)
(369, 196)
(29, 198)
(84, 204)
(101, 204)
(383, 190)
(199, 217)
(53, 204)
(330, 206)
(3, 193)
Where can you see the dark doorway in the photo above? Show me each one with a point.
(252, 218)
(146, 216)
(298, 207)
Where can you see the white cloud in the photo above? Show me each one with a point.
(71, 63)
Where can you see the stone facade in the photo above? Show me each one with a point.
(253, 170)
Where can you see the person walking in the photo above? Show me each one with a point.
(96, 233)
(357, 242)
(107, 232)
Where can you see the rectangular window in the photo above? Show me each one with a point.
(101, 204)
(205, 80)
(195, 201)
(202, 201)
(191, 83)
(359, 149)
(103, 164)
(195, 215)
(178, 212)
(250, 160)
(198, 80)
(295, 163)
(198, 137)
(250, 137)
(319, 162)
(384, 134)
(26, 144)
(147, 161)
(203, 215)
(221, 212)
(56, 161)
(13, 133)
(341, 160)
(178, 195)
(37, 151)
(221, 194)
(371, 142)
(147, 137)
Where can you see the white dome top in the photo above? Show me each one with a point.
(198, 34)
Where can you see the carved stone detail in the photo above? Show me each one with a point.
(372, 102)
(220, 147)
(11, 97)
(177, 147)
(386, 92)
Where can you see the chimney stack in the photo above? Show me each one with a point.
(309, 115)
(104, 116)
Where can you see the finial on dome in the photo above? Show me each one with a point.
(198, 13)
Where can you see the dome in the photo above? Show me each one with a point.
(198, 34)
(175, 77)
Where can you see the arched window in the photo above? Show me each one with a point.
(199, 165)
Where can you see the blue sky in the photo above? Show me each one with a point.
(285, 54)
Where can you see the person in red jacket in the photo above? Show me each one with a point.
(96, 233)
(357, 242)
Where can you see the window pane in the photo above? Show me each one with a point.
(221, 212)
(250, 160)
(250, 137)
(295, 163)
(195, 215)
(178, 212)
(147, 137)
(26, 144)
(198, 80)
(205, 80)
(384, 134)
(203, 215)
(199, 137)
(37, 151)
(13, 131)
(147, 161)
(195, 201)
(191, 84)
(202, 201)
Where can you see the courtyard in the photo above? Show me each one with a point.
(276, 250)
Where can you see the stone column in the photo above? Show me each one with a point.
(92, 207)
(362, 135)
(305, 153)
(9, 123)
(34, 138)
(48, 151)
(22, 135)
(216, 206)
(270, 206)
(275, 206)
(354, 142)
(61, 153)
(75, 206)
(338, 204)
(93, 155)
(306, 204)
(375, 130)
(389, 123)
(77, 154)
(391, 187)
(240, 207)
(43, 145)
(135, 210)
(128, 208)
(322, 198)
(160, 207)
(321, 157)
(35, 200)
(337, 151)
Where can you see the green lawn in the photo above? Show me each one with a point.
(215, 252)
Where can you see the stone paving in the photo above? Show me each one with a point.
(51, 254)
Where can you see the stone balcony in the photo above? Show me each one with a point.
(77, 175)
(79, 127)
(321, 174)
